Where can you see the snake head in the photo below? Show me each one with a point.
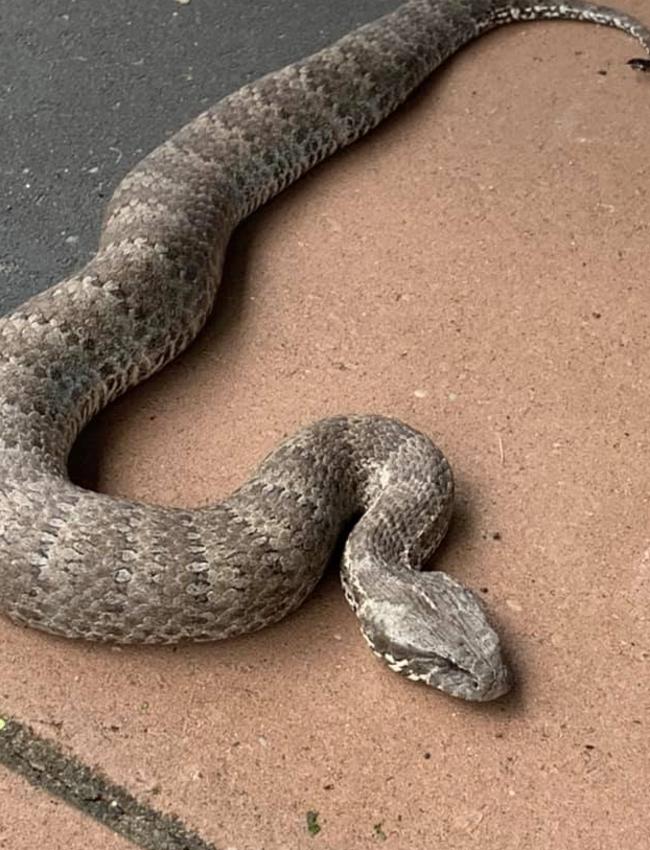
(430, 628)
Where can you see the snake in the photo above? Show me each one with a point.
(83, 564)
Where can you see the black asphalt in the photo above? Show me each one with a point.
(86, 88)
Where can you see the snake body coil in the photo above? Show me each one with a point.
(85, 565)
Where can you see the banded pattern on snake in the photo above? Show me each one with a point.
(86, 565)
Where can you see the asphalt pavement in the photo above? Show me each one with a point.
(87, 88)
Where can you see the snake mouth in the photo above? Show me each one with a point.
(482, 684)
(481, 681)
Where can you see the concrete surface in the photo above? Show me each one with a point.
(477, 267)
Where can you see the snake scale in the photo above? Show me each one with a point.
(86, 565)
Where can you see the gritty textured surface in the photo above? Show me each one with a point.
(29, 818)
(62, 775)
(460, 284)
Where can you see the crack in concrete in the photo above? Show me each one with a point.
(46, 766)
